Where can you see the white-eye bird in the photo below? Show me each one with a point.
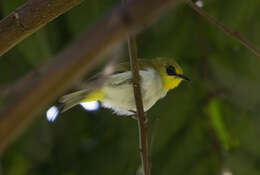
(157, 77)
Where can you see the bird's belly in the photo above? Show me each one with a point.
(121, 98)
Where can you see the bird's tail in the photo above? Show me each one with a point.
(70, 100)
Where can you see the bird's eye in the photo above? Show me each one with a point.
(171, 70)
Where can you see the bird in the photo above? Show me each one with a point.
(157, 77)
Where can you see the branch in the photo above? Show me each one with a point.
(70, 65)
(30, 17)
(224, 28)
(141, 117)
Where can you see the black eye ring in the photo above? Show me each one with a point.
(171, 70)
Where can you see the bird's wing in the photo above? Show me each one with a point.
(125, 66)
(123, 75)
(122, 68)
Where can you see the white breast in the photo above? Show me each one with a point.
(119, 91)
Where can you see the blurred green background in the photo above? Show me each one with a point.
(206, 127)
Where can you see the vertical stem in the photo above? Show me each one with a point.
(141, 117)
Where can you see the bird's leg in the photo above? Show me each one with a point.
(134, 116)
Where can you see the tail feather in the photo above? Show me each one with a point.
(70, 100)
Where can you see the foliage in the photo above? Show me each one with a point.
(204, 127)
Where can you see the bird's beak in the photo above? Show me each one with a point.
(183, 77)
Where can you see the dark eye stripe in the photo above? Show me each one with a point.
(171, 70)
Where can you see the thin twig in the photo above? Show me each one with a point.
(141, 117)
(68, 67)
(224, 28)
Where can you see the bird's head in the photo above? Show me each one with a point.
(170, 72)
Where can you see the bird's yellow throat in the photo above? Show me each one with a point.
(170, 82)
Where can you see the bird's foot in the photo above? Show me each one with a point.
(134, 116)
